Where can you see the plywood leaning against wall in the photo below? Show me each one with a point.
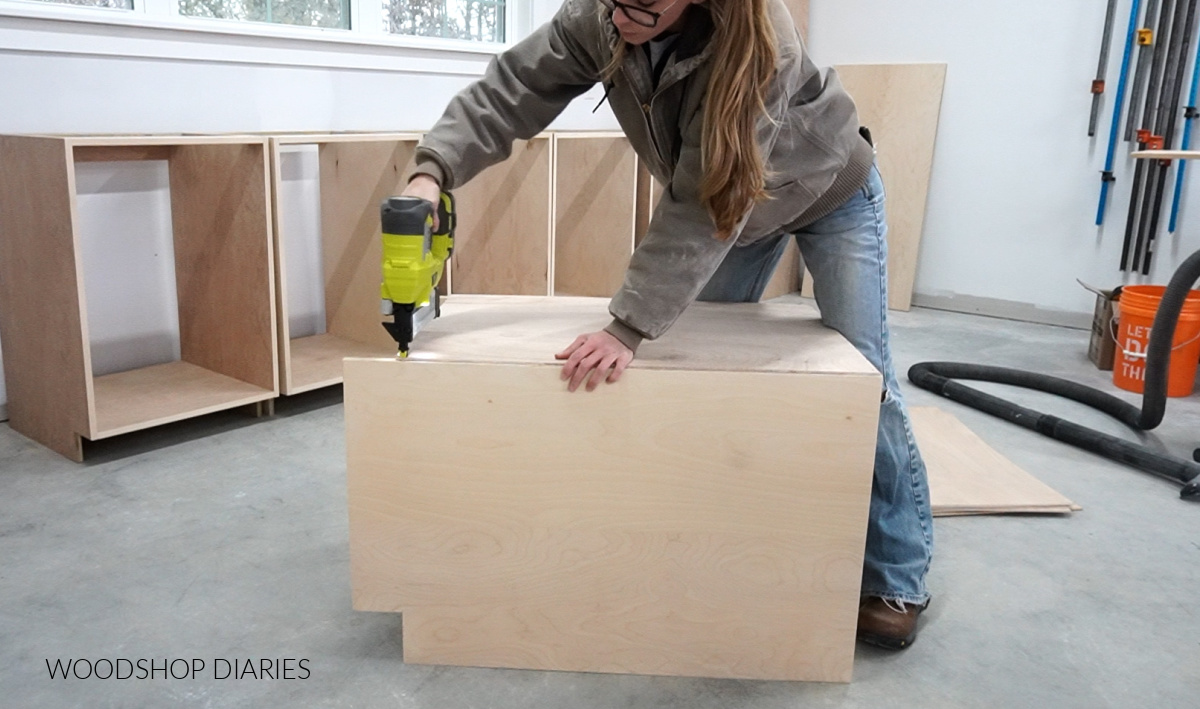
(704, 516)
(595, 187)
(502, 244)
(221, 226)
(900, 104)
(357, 172)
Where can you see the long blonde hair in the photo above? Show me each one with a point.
(744, 58)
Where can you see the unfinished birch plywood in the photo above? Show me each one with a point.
(705, 516)
(595, 187)
(502, 246)
(900, 104)
(223, 264)
(969, 477)
(649, 191)
(786, 278)
(357, 172)
(47, 363)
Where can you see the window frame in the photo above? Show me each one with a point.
(161, 18)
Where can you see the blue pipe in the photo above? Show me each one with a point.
(1107, 176)
(1187, 140)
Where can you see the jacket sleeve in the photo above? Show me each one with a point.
(522, 91)
(680, 253)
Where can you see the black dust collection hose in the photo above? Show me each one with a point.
(938, 377)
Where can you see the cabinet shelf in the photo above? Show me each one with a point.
(163, 393)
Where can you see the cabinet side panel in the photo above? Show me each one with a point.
(355, 179)
(46, 362)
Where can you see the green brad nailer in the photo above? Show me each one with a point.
(414, 257)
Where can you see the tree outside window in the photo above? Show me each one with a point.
(306, 13)
(477, 20)
(115, 4)
(472, 20)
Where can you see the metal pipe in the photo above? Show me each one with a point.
(1171, 116)
(1131, 252)
(1145, 40)
(1107, 176)
(1102, 69)
(1186, 143)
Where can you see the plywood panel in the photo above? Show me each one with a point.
(46, 359)
(594, 202)
(967, 476)
(283, 347)
(708, 336)
(901, 104)
(786, 278)
(106, 153)
(704, 516)
(223, 259)
(680, 522)
(324, 138)
(317, 360)
(151, 396)
(140, 141)
(502, 245)
(643, 207)
(355, 179)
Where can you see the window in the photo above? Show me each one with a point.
(481, 21)
(477, 20)
(307, 13)
(118, 4)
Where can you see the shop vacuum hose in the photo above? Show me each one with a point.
(938, 377)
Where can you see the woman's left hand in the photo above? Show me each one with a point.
(597, 354)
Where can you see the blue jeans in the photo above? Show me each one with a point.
(846, 253)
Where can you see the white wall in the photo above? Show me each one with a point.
(1016, 181)
(1010, 222)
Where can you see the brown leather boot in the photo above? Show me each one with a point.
(881, 624)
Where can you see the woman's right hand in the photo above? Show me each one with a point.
(426, 188)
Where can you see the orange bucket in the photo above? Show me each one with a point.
(1138, 305)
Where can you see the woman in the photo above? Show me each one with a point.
(720, 100)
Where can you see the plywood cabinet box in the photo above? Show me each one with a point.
(220, 213)
(704, 516)
(357, 172)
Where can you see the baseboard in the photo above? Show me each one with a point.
(1007, 309)
(3, 412)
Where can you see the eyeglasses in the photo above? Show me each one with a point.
(641, 16)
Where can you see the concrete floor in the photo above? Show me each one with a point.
(226, 537)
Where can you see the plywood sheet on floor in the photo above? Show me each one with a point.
(969, 477)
